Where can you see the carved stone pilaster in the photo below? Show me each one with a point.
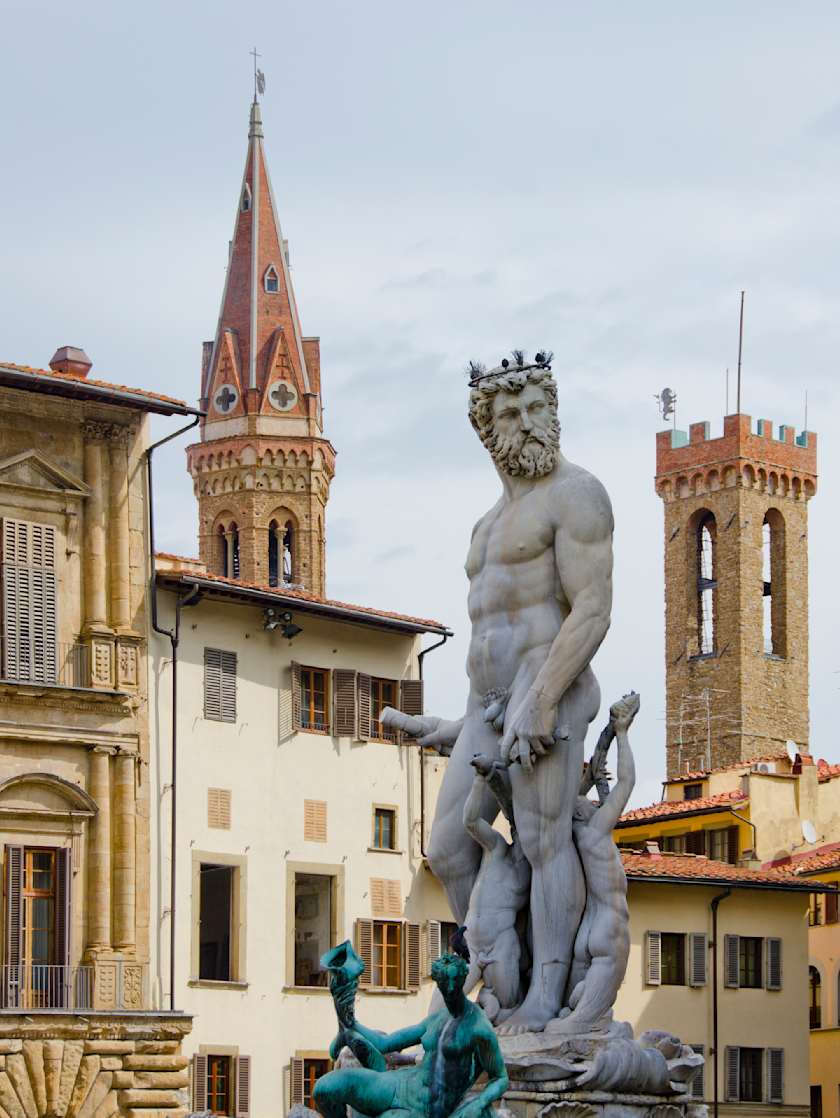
(98, 430)
(102, 666)
(128, 664)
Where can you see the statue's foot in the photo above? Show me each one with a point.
(574, 1024)
(531, 1017)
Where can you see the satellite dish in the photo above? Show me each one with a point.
(809, 831)
(792, 750)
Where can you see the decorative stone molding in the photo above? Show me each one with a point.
(97, 430)
(102, 663)
(127, 665)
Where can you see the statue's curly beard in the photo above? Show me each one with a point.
(524, 455)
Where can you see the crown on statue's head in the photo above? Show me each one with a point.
(516, 363)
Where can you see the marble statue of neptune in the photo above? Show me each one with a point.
(540, 592)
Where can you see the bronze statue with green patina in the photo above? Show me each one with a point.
(459, 1045)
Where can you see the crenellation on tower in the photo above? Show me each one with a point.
(736, 602)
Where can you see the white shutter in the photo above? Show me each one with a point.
(773, 964)
(697, 1086)
(432, 944)
(776, 1075)
(732, 1073)
(697, 956)
(30, 627)
(732, 961)
(653, 958)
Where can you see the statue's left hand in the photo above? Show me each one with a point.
(529, 732)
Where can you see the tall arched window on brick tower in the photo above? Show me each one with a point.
(772, 575)
(706, 546)
(227, 549)
(281, 552)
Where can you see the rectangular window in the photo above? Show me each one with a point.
(387, 969)
(723, 845)
(750, 1066)
(384, 828)
(29, 600)
(692, 791)
(695, 842)
(750, 952)
(816, 1101)
(383, 693)
(314, 699)
(313, 1069)
(313, 926)
(673, 959)
(219, 1085)
(831, 908)
(215, 921)
(672, 844)
(815, 911)
(219, 685)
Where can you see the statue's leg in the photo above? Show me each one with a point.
(370, 1092)
(453, 856)
(502, 974)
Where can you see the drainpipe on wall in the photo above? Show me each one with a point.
(715, 902)
(172, 634)
(420, 656)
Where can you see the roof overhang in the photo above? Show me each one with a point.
(224, 591)
(732, 883)
(73, 389)
(676, 816)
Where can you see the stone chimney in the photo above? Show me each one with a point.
(71, 359)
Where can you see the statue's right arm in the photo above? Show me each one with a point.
(393, 1042)
(428, 730)
(625, 777)
(474, 822)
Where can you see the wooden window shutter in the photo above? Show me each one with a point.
(219, 808)
(832, 910)
(297, 721)
(364, 949)
(731, 961)
(411, 697)
(364, 704)
(295, 1081)
(393, 897)
(14, 905)
(199, 1072)
(773, 956)
(315, 820)
(412, 956)
(344, 702)
(653, 958)
(212, 683)
(30, 623)
(432, 944)
(697, 956)
(377, 896)
(697, 1085)
(776, 1075)
(695, 842)
(228, 686)
(43, 599)
(243, 1086)
(63, 876)
(732, 845)
(11, 601)
(732, 1073)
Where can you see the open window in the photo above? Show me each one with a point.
(706, 593)
(773, 567)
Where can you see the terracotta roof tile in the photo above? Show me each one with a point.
(76, 378)
(826, 771)
(690, 867)
(811, 861)
(302, 595)
(668, 809)
(700, 774)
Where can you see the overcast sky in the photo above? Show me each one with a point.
(454, 179)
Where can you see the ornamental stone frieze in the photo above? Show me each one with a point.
(97, 430)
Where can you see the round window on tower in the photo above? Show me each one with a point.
(282, 395)
(225, 399)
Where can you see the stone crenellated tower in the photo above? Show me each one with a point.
(736, 590)
(263, 468)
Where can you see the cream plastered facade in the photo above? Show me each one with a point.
(270, 772)
(824, 954)
(74, 764)
(753, 1018)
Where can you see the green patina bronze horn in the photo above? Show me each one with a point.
(345, 969)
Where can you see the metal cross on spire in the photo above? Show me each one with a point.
(259, 76)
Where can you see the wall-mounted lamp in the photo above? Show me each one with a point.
(282, 620)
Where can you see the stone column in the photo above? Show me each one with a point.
(125, 877)
(99, 851)
(119, 529)
(94, 533)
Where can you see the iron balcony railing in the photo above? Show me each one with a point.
(42, 986)
(62, 665)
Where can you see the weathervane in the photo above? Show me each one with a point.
(259, 76)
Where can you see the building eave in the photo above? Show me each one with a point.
(732, 883)
(73, 389)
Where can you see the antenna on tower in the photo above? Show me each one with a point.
(740, 349)
(727, 391)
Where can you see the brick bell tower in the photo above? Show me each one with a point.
(736, 590)
(263, 468)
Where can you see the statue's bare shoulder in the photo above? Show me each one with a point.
(580, 505)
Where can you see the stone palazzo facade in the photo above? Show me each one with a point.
(76, 1036)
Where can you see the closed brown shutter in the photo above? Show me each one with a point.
(14, 904)
(243, 1086)
(295, 1082)
(363, 701)
(344, 702)
(697, 1085)
(297, 722)
(199, 1084)
(773, 955)
(219, 808)
(315, 820)
(776, 1075)
(364, 949)
(411, 697)
(831, 908)
(432, 944)
(732, 845)
(695, 842)
(697, 953)
(385, 896)
(653, 958)
(412, 956)
(731, 961)
(731, 1077)
(63, 876)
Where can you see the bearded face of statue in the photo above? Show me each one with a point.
(522, 433)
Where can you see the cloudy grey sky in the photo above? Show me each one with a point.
(455, 178)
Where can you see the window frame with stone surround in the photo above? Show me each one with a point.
(333, 871)
(238, 918)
